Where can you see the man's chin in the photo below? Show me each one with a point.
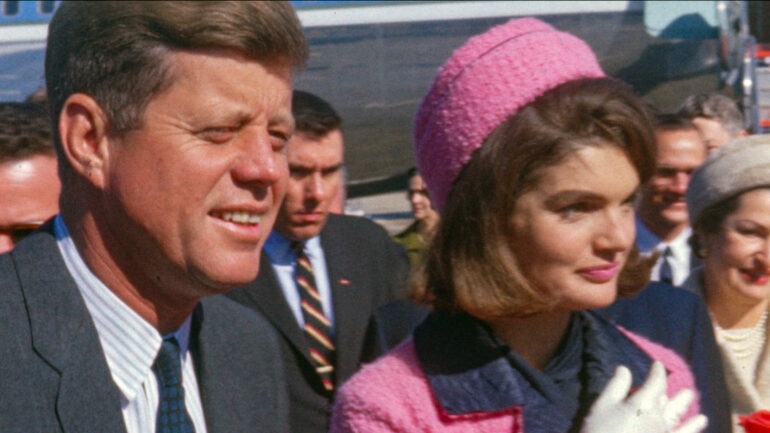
(305, 230)
(675, 216)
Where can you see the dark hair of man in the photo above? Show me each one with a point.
(471, 264)
(25, 131)
(313, 115)
(670, 122)
(117, 52)
(716, 107)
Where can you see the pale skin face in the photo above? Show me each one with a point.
(419, 198)
(714, 134)
(315, 166)
(30, 195)
(737, 266)
(184, 204)
(663, 209)
(574, 230)
(572, 233)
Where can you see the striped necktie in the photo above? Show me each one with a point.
(172, 417)
(317, 325)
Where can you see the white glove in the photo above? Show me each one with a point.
(647, 411)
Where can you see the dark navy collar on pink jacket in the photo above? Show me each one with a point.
(472, 371)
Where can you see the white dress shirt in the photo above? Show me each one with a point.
(679, 259)
(130, 346)
(283, 261)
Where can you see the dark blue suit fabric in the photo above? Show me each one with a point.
(679, 320)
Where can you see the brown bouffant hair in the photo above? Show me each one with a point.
(471, 264)
(117, 52)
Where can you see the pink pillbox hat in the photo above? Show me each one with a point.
(485, 81)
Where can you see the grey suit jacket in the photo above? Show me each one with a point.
(54, 377)
(366, 270)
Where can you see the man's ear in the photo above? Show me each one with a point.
(83, 135)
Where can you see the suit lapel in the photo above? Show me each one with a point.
(224, 409)
(351, 304)
(64, 335)
(266, 294)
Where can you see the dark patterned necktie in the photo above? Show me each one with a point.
(666, 272)
(172, 416)
(317, 325)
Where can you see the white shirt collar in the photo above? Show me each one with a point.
(129, 342)
(680, 248)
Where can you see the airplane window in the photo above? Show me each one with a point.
(10, 8)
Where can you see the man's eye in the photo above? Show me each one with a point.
(217, 134)
(575, 208)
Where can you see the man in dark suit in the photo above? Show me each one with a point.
(328, 275)
(170, 120)
(679, 320)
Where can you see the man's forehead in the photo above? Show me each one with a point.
(679, 141)
(185, 66)
(308, 149)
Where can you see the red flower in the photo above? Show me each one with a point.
(757, 422)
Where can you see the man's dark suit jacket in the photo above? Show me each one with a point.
(54, 376)
(366, 270)
(679, 320)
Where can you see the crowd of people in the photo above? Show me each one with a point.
(174, 256)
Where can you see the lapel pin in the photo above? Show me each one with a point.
(344, 281)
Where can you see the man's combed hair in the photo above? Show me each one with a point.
(716, 107)
(472, 264)
(25, 131)
(117, 52)
(313, 115)
(670, 122)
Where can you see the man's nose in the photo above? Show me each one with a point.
(259, 162)
(679, 182)
(314, 187)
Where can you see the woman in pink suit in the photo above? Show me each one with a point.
(534, 159)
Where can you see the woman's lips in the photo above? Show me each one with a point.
(601, 273)
(756, 276)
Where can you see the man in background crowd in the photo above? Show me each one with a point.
(29, 183)
(416, 237)
(716, 117)
(170, 122)
(662, 223)
(328, 275)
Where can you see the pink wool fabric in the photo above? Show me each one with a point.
(393, 395)
(485, 81)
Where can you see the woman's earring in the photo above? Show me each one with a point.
(701, 252)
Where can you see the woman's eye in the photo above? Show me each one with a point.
(749, 232)
(749, 229)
